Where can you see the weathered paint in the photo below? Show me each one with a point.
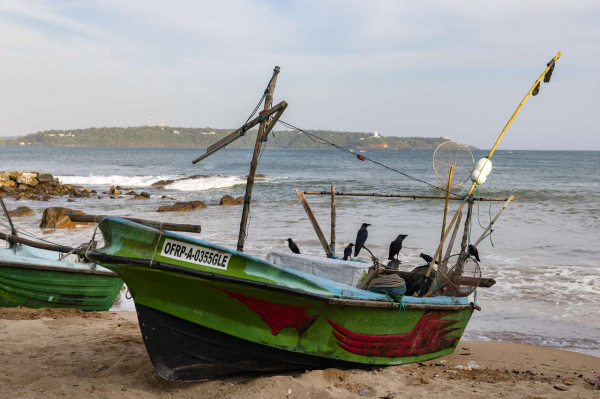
(260, 314)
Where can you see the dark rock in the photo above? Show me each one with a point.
(131, 193)
(166, 197)
(228, 200)
(141, 196)
(240, 200)
(58, 218)
(70, 200)
(46, 178)
(198, 204)
(161, 183)
(22, 211)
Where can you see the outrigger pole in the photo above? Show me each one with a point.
(534, 90)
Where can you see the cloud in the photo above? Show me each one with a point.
(409, 68)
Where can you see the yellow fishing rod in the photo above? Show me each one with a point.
(484, 166)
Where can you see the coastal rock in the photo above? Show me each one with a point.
(4, 176)
(47, 178)
(166, 197)
(21, 211)
(161, 183)
(197, 204)
(58, 218)
(228, 200)
(131, 193)
(240, 200)
(182, 206)
(13, 174)
(113, 191)
(28, 178)
(8, 183)
(141, 196)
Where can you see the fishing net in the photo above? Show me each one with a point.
(454, 154)
(463, 278)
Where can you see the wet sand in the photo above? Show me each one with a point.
(68, 353)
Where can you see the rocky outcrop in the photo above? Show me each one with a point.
(182, 206)
(58, 218)
(240, 200)
(114, 191)
(228, 200)
(163, 183)
(21, 211)
(36, 186)
(141, 196)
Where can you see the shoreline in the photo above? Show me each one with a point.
(65, 352)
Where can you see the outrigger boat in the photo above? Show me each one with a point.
(37, 275)
(206, 310)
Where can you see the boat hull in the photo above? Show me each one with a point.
(32, 286)
(254, 316)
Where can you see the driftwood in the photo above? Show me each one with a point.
(188, 228)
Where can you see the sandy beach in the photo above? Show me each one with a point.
(69, 353)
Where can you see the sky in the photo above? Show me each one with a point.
(402, 68)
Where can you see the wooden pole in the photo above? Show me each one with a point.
(484, 234)
(254, 164)
(488, 157)
(443, 267)
(12, 239)
(449, 186)
(188, 228)
(463, 244)
(333, 220)
(409, 196)
(225, 141)
(13, 230)
(315, 224)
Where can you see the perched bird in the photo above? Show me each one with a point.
(426, 258)
(348, 251)
(361, 238)
(396, 246)
(293, 246)
(473, 252)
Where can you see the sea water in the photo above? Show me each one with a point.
(545, 255)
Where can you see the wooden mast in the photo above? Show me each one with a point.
(332, 245)
(253, 165)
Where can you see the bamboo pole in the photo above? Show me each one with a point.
(449, 186)
(188, 228)
(314, 222)
(443, 267)
(484, 234)
(254, 164)
(333, 220)
(383, 195)
(488, 157)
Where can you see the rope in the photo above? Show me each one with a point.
(321, 140)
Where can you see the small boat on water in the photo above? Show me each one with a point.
(206, 311)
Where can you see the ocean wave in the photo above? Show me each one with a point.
(113, 180)
(207, 183)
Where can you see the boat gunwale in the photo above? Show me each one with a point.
(163, 266)
(56, 268)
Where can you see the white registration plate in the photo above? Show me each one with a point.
(195, 254)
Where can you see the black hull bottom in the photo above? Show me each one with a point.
(184, 351)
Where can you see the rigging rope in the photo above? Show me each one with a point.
(316, 139)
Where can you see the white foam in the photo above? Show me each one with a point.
(113, 180)
(207, 183)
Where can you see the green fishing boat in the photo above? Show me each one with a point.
(206, 311)
(35, 278)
